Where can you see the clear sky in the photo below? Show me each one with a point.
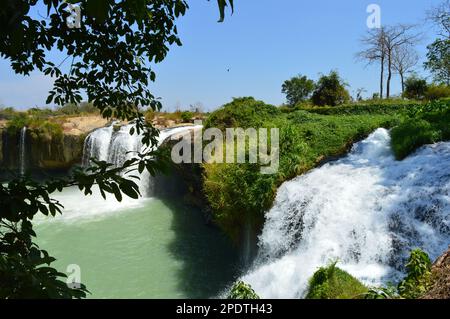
(264, 43)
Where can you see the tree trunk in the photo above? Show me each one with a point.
(388, 86)
(382, 78)
(403, 82)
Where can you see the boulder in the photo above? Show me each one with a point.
(441, 278)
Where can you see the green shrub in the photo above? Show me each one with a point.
(242, 112)
(436, 92)
(241, 290)
(186, 116)
(384, 107)
(418, 279)
(7, 113)
(17, 122)
(412, 134)
(239, 194)
(415, 88)
(334, 283)
(424, 124)
(330, 90)
(389, 292)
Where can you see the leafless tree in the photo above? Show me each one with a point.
(404, 59)
(374, 52)
(440, 16)
(395, 37)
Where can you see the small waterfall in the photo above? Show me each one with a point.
(22, 150)
(96, 145)
(366, 210)
(115, 146)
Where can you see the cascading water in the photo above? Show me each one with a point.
(366, 210)
(96, 145)
(115, 146)
(22, 146)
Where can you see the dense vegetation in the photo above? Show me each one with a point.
(241, 290)
(239, 194)
(333, 283)
(132, 35)
(425, 124)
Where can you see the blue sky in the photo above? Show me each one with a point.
(264, 43)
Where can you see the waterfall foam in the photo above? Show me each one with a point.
(366, 210)
(115, 146)
(22, 146)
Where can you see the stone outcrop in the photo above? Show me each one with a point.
(441, 278)
(54, 150)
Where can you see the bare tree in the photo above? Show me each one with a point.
(395, 37)
(440, 16)
(374, 52)
(404, 59)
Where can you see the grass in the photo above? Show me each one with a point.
(334, 283)
(426, 125)
(240, 194)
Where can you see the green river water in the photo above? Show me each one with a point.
(148, 248)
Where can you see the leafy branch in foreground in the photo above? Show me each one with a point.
(110, 56)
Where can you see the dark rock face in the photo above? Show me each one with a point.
(42, 151)
(441, 278)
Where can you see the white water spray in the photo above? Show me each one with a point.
(366, 210)
(116, 146)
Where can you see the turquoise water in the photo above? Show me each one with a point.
(148, 248)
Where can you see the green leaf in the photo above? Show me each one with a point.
(98, 9)
(117, 192)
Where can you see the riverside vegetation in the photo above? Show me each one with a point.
(240, 194)
(237, 194)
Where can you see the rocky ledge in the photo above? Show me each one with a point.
(441, 278)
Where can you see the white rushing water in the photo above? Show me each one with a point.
(22, 145)
(366, 210)
(117, 146)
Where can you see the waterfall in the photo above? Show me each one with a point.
(366, 210)
(96, 145)
(22, 146)
(115, 146)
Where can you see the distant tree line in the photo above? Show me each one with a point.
(392, 48)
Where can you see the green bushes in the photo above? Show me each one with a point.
(7, 113)
(17, 122)
(334, 283)
(426, 124)
(437, 92)
(241, 290)
(418, 280)
(242, 112)
(330, 90)
(186, 116)
(411, 135)
(415, 88)
(239, 194)
(376, 107)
